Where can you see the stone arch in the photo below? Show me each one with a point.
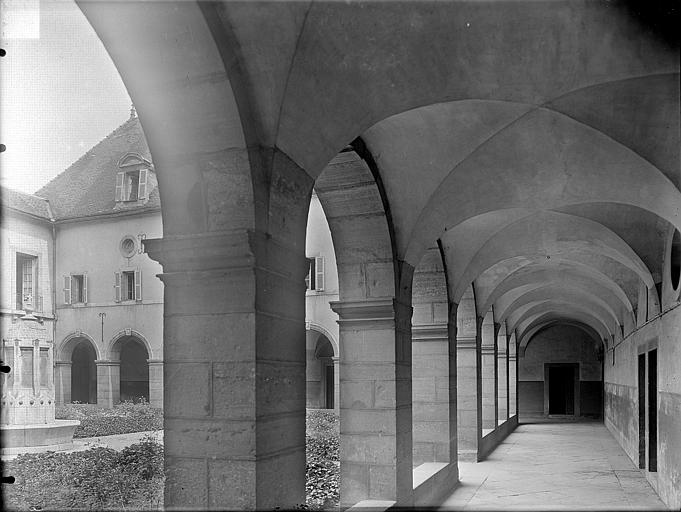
(522, 181)
(320, 370)
(65, 348)
(374, 296)
(113, 347)
(313, 326)
(569, 294)
(529, 334)
(132, 352)
(533, 275)
(562, 236)
(182, 125)
(76, 371)
(573, 314)
(351, 194)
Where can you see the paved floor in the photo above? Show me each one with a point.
(568, 466)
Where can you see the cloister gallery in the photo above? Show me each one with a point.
(492, 173)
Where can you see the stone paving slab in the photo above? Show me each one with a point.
(554, 466)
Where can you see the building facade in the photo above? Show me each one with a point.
(74, 253)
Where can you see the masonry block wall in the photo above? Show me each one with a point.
(559, 344)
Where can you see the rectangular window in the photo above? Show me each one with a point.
(310, 277)
(315, 274)
(128, 285)
(131, 185)
(27, 279)
(75, 289)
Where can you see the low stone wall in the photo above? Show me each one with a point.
(489, 442)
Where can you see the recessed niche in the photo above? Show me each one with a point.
(675, 260)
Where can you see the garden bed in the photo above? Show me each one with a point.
(132, 479)
(124, 418)
(95, 479)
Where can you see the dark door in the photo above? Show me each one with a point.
(83, 375)
(561, 390)
(652, 410)
(329, 386)
(642, 411)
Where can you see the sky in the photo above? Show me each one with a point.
(60, 93)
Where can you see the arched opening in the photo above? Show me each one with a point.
(83, 374)
(320, 373)
(134, 370)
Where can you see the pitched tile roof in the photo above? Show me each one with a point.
(26, 203)
(87, 187)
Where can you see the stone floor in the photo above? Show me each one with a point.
(568, 466)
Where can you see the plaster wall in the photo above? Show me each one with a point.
(559, 344)
(92, 247)
(318, 242)
(621, 399)
(22, 234)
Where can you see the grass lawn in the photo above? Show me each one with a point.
(132, 479)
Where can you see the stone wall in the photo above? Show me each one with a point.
(559, 344)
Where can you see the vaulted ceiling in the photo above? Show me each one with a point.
(538, 141)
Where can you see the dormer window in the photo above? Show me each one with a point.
(131, 185)
(132, 182)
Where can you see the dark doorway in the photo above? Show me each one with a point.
(652, 410)
(562, 390)
(641, 411)
(83, 374)
(329, 376)
(134, 371)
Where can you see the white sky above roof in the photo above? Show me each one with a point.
(60, 93)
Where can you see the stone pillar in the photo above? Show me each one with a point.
(502, 365)
(468, 379)
(376, 415)
(512, 376)
(430, 392)
(155, 382)
(108, 382)
(336, 384)
(234, 370)
(489, 372)
(62, 382)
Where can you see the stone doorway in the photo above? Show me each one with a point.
(84, 374)
(134, 371)
(561, 388)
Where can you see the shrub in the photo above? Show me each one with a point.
(123, 418)
(322, 454)
(95, 479)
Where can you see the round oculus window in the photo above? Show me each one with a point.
(128, 246)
